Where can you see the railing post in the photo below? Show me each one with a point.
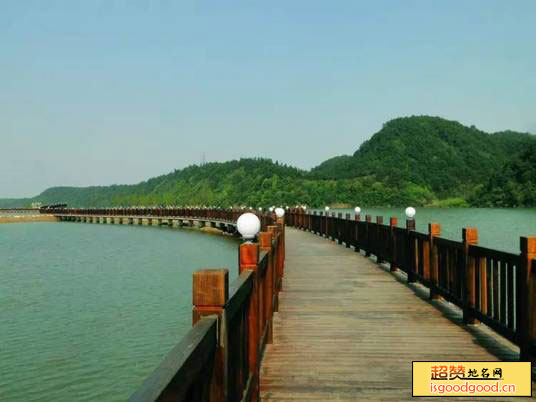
(469, 236)
(265, 241)
(357, 218)
(411, 250)
(249, 260)
(368, 219)
(526, 300)
(392, 225)
(338, 231)
(434, 230)
(378, 245)
(276, 271)
(281, 225)
(210, 294)
(277, 258)
(347, 226)
(331, 226)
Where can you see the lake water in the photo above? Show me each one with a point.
(498, 228)
(88, 311)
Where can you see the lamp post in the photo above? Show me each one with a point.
(410, 226)
(248, 225)
(326, 229)
(410, 213)
(357, 211)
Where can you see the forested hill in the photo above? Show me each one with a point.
(445, 156)
(412, 160)
(512, 186)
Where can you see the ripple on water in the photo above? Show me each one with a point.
(88, 311)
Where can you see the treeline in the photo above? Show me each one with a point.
(418, 160)
(514, 185)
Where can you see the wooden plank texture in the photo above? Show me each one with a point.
(348, 330)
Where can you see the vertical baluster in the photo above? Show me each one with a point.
(502, 294)
(483, 282)
(432, 266)
(489, 277)
(510, 295)
(392, 231)
(470, 236)
(449, 257)
(458, 273)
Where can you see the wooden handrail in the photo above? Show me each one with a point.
(490, 286)
(219, 359)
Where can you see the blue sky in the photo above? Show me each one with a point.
(103, 92)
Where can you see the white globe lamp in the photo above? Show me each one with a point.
(410, 212)
(327, 209)
(248, 225)
(279, 212)
(357, 210)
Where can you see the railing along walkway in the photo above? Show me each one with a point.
(348, 329)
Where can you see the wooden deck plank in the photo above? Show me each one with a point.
(348, 330)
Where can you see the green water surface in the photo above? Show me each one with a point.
(87, 311)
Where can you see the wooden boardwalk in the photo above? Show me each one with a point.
(347, 329)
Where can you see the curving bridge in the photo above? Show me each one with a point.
(333, 308)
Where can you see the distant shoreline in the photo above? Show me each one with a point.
(28, 218)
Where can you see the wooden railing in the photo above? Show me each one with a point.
(219, 359)
(229, 215)
(490, 286)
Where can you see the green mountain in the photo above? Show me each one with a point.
(418, 160)
(444, 156)
(514, 185)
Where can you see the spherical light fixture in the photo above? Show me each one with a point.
(279, 212)
(327, 208)
(357, 210)
(248, 225)
(410, 212)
